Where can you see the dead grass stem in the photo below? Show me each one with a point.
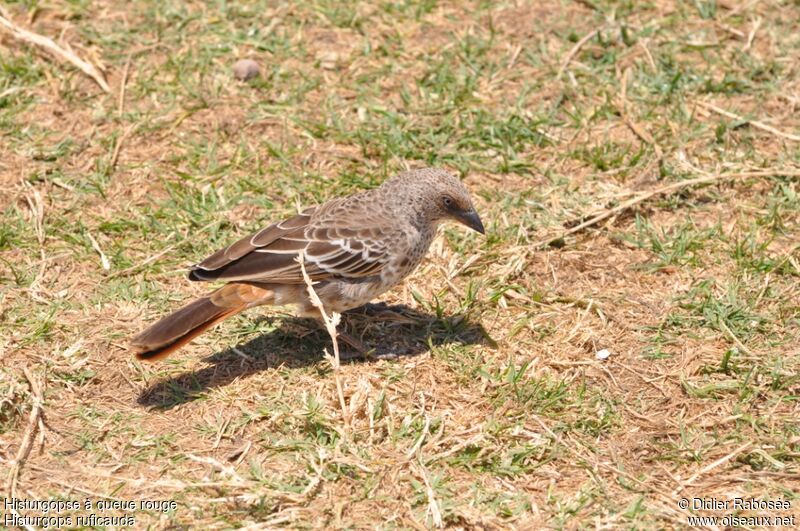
(63, 54)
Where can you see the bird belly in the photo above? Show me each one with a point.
(341, 295)
(344, 294)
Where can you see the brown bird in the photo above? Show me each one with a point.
(354, 248)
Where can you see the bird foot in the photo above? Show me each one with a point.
(357, 344)
(361, 352)
(371, 355)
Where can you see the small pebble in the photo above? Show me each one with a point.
(327, 60)
(245, 69)
(603, 354)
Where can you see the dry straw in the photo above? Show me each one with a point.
(331, 321)
(63, 54)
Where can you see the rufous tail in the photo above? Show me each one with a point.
(180, 327)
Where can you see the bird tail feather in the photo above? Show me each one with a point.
(180, 327)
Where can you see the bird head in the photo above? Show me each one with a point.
(437, 196)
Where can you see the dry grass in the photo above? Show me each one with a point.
(496, 412)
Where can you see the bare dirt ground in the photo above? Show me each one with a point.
(636, 165)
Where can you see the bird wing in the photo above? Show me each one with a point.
(331, 249)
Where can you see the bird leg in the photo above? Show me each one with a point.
(395, 317)
(361, 349)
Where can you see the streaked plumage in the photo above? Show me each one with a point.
(355, 248)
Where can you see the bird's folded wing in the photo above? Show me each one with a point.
(329, 249)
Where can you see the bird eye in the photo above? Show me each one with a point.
(447, 201)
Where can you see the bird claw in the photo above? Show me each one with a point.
(361, 351)
(370, 355)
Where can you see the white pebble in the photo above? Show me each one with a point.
(602, 354)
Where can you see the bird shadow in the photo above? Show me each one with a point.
(392, 331)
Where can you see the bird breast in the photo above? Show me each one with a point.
(344, 294)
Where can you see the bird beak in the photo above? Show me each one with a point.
(471, 219)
